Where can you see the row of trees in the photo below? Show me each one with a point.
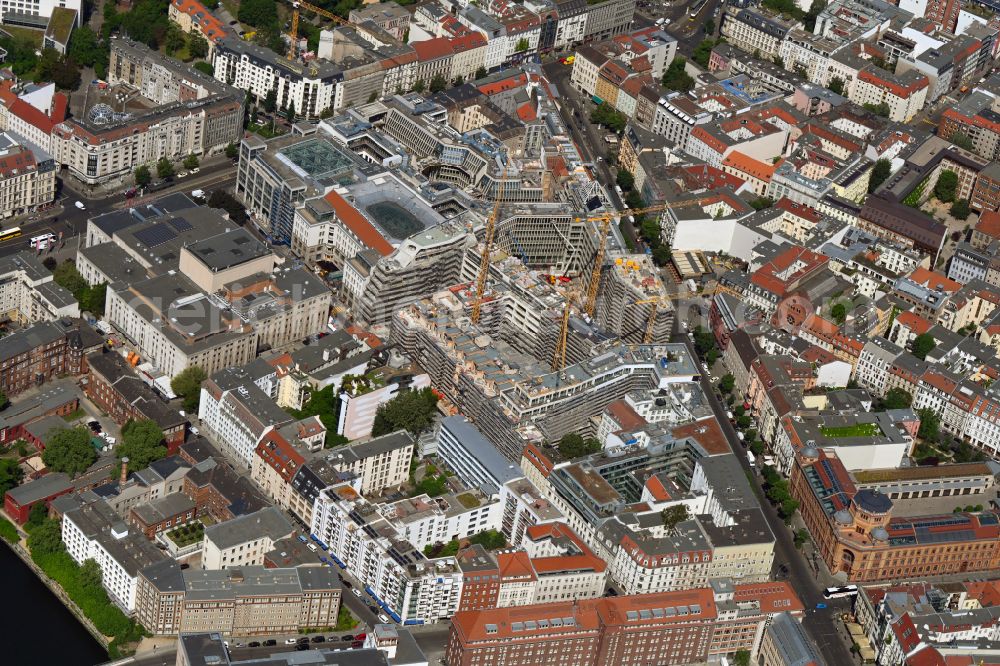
(90, 297)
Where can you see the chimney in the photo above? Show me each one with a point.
(121, 481)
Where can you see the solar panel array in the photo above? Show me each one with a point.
(156, 235)
(180, 224)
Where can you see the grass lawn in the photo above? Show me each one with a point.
(467, 500)
(77, 413)
(35, 36)
(857, 430)
(264, 130)
(345, 620)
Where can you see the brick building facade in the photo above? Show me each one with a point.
(44, 351)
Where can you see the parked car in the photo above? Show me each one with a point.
(253, 644)
(79, 204)
(357, 593)
(319, 639)
(269, 642)
(347, 637)
(383, 618)
(290, 641)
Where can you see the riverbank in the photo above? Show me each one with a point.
(43, 628)
(20, 549)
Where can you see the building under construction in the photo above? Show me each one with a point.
(633, 303)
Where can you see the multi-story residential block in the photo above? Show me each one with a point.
(379, 463)
(27, 176)
(904, 94)
(193, 16)
(754, 32)
(190, 114)
(238, 413)
(28, 292)
(387, 15)
(245, 540)
(93, 531)
(248, 601)
(397, 575)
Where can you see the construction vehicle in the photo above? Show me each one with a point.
(484, 261)
(605, 220)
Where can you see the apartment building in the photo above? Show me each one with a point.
(396, 574)
(237, 412)
(193, 16)
(754, 31)
(190, 114)
(27, 176)
(243, 541)
(28, 292)
(424, 521)
(904, 94)
(245, 601)
(91, 530)
(380, 463)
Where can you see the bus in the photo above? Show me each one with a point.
(13, 232)
(696, 7)
(42, 242)
(840, 592)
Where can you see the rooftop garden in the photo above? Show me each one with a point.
(185, 535)
(856, 430)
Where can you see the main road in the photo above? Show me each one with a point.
(821, 624)
(64, 217)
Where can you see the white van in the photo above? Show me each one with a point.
(79, 204)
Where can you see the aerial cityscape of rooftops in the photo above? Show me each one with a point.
(521, 332)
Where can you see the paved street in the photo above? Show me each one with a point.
(824, 626)
(65, 217)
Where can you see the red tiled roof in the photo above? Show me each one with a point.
(625, 416)
(934, 280)
(33, 116)
(526, 112)
(432, 49)
(989, 223)
(503, 85)
(211, 27)
(797, 209)
(707, 433)
(914, 322)
(748, 165)
(358, 224)
(515, 565)
(656, 488)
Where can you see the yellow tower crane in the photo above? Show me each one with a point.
(484, 262)
(605, 220)
(295, 22)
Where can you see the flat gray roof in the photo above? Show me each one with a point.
(267, 522)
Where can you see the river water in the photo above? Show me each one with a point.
(40, 630)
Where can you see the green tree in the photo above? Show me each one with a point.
(197, 46)
(522, 45)
(573, 445)
(11, 475)
(66, 74)
(881, 109)
(727, 383)
(839, 313)
(961, 139)
(325, 404)
(290, 112)
(164, 169)
(94, 298)
(946, 186)
(174, 40)
(409, 410)
(625, 180)
(438, 83)
(187, 385)
(673, 515)
(741, 658)
(67, 276)
(836, 85)
(676, 77)
(271, 100)
(489, 539)
(258, 13)
(458, 81)
(481, 73)
(703, 52)
(46, 538)
(960, 209)
(709, 26)
(84, 47)
(90, 574)
(801, 537)
(606, 115)
(142, 443)
(897, 398)
(191, 162)
(232, 151)
(880, 172)
(760, 203)
(930, 424)
(779, 61)
(922, 345)
(68, 450)
(205, 68)
(809, 20)
(39, 514)
(419, 86)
